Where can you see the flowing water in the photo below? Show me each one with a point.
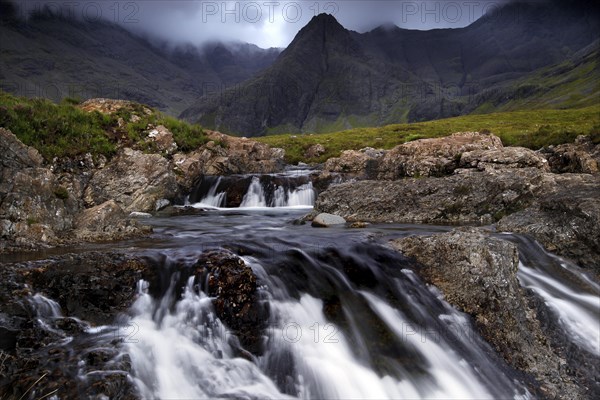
(348, 318)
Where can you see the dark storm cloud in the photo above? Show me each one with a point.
(265, 23)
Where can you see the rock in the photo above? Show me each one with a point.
(134, 180)
(314, 151)
(468, 197)
(163, 139)
(324, 220)
(363, 162)
(226, 155)
(477, 274)
(359, 225)
(233, 285)
(566, 222)
(137, 214)
(505, 157)
(111, 106)
(34, 207)
(583, 156)
(161, 204)
(433, 157)
(107, 221)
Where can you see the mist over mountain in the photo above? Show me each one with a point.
(331, 78)
(55, 57)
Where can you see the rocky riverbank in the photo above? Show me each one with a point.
(472, 179)
(46, 203)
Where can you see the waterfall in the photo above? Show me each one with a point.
(255, 196)
(212, 198)
(302, 196)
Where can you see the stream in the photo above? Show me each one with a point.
(348, 317)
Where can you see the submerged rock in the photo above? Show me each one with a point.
(477, 274)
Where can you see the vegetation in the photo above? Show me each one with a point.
(65, 130)
(533, 129)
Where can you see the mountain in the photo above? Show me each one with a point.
(54, 57)
(330, 78)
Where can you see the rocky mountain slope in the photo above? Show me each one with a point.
(330, 78)
(54, 57)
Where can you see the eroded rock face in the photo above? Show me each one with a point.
(567, 221)
(34, 207)
(163, 139)
(233, 284)
(583, 156)
(433, 157)
(93, 287)
(106, 221)
(505, 157)
(468, 197)
(477, 274)
(227, 155)
(134, 180)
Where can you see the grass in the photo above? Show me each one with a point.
(533, 129)
(64, 130)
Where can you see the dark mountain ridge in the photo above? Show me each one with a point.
(330, 78)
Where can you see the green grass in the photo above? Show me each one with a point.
(64, 130)
(533, 129)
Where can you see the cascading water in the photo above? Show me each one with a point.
(255, 196)
(212, 198)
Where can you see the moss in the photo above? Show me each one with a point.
(61, 193)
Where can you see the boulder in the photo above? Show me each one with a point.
(314, 151)
(34, 206)
(233, 285)
(162, 139)
(134, 180)
(478, 274)
(505, 157)
(433, 157)
(363, 162)
(106, 221)
(583, 156)
(324, 220)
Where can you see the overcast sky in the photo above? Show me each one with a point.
(267, 23)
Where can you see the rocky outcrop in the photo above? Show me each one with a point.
(106, 221)
(477, 274)
(566, 222)
(93, 287)
(583, 156)
(433, 157)
(227, 155)
(110, 106)
(34, 207)
(314, 151)
(233, 285)
(134, 180)
(468, 197)
(163, 140)
(364, 162)
(505, 157)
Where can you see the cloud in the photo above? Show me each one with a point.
(264, 23)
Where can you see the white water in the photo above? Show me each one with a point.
(212, 198)
(302, 196)
(577, 312)
(255, 196)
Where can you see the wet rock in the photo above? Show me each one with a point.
(433, 157)
(226, 155)
(107, 221)
(134, 180)
(505, 157)
(583, 156)
(477, 274)
(324, 220)
(233, 285)
(93, 286)
(566, 222)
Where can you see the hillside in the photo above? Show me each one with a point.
(533, 129)
(330, 78)
(53, 57)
